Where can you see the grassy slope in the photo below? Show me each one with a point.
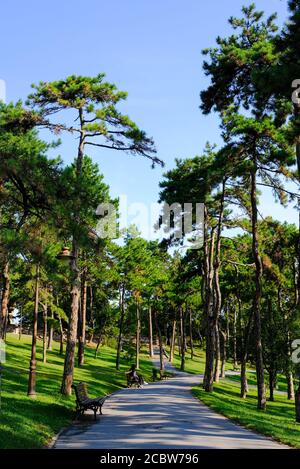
(31, 423)
(278, 421)
(197, 365)
(251, 377)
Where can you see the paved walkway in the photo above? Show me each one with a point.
(162, 415)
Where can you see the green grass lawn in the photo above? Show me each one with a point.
(32, 423)
(278, 421)
(251, 377)
(197, 365)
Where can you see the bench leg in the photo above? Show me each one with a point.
(79, 411)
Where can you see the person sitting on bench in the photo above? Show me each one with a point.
(134, 377)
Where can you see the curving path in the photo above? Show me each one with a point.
(162, 415)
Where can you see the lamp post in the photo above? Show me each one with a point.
(122, 309)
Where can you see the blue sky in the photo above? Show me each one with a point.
(152, 49)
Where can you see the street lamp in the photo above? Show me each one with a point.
(65, 255)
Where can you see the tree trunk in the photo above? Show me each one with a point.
(297, 113)
(50, 338)
(200, 337)
(92, 320)
(272, 383)
(61, 336)
(213, 302)
(227, 329)
(217, 289)
(97, 347)
(261, 392)
(167, 333)
(238, 319)
(178, 339)
(288, 360)
(67, 381)
(204, 286)
(4, 300)
(224, 353)
(138, 334)
(151, 354)
(183, 338)
(82, 320)
(210, 332)
(210, 355)
(217, 355)
(290, 386)
(297, 296)
(45, 334)
(172, 346)
(121, 323)
(32, 367)
(191, 333)
(234, 338)
(244, 382)
(297, 404)
(161, 351)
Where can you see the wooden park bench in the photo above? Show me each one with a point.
(84, 402)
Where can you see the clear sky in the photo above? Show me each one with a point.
(150, 48)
